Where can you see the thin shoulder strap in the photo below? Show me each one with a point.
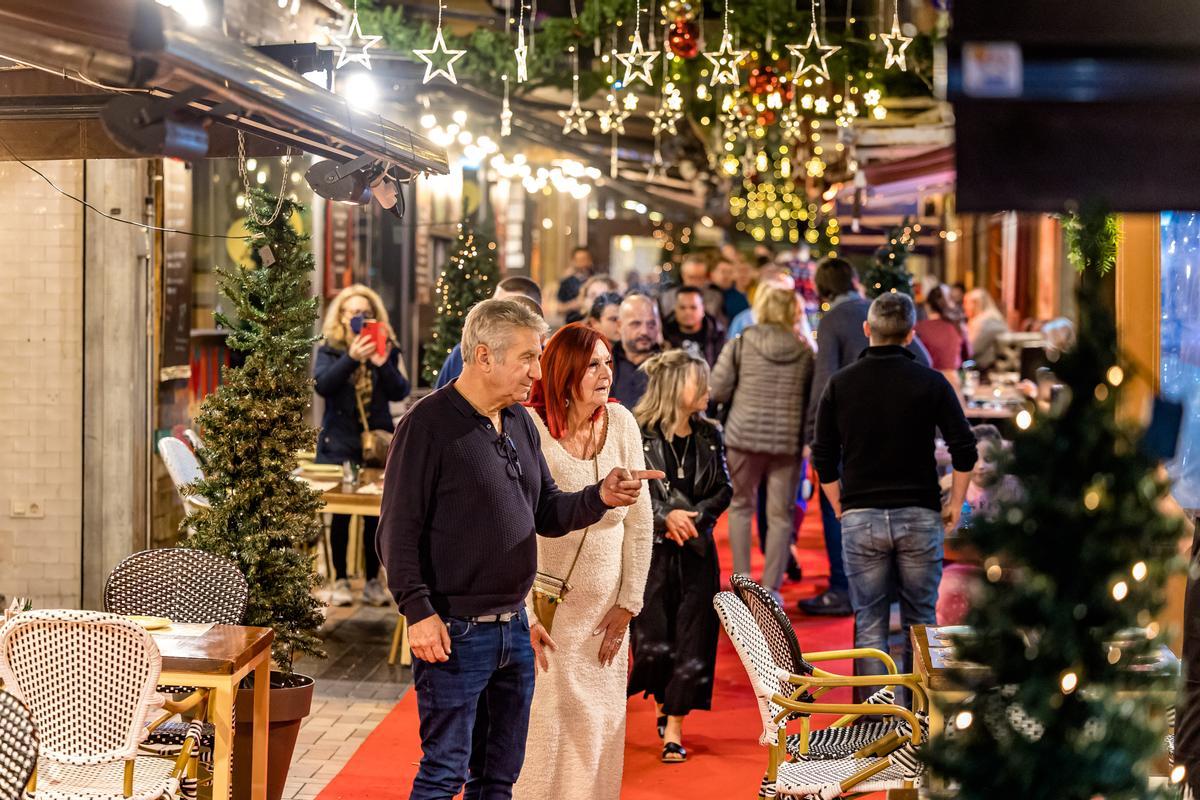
(582, 539)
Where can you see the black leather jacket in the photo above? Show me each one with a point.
(713, 489)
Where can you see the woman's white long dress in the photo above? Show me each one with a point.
(576, 744)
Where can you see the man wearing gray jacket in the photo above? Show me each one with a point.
(765, 377)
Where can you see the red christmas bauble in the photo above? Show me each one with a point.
(766, 118)
(683, 37)
(763, 80)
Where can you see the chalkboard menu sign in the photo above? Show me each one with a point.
(176, 328)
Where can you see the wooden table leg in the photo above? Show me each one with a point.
(262, 719)
(222, 719)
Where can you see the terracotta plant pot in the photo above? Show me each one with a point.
(291, 700)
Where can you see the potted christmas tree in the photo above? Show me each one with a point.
(253, 426)
(470, 276)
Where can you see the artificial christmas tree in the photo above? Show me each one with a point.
(253, 426)
(470, 276)
(887, 272)
(1074, 568)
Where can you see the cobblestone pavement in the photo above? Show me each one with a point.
(355, 690)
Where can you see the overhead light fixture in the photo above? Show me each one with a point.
(356, 181)
(360, 90)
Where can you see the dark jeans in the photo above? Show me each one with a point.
(474, 711)
(339, 543)
(833, 545)
(891, 551)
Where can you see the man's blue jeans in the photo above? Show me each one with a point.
(890, 551)
(833, 545)
(474, 711)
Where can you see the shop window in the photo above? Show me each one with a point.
(1179, 341)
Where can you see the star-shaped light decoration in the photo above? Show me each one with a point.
(506, 113)
(638, 62)
(656, 166)
(872, 97)
(353, 45)
(575, 118)
(725, 60)
(664, 120)
(896, 43)
(812, 55)
(674, 100)
(612, 120)
(521, 54)
(790, 122)
(440, 53)
(630, 102)
(821, 105)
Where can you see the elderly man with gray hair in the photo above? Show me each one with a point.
(466, 489)
(874, 455)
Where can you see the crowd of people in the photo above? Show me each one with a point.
(548, 512)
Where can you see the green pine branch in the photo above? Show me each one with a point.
(469, 276)
(253, 425)
(1075, 569)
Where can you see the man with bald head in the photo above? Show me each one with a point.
(641, 337)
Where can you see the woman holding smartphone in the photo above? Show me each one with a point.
(357, 378)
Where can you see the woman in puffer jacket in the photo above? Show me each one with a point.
(765, 378)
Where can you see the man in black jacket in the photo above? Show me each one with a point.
(691, 327)
(840, 340)
(874, 455)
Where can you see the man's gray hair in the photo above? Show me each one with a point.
(891, 317)
(492, 322)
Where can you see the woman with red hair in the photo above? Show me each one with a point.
(576, 740)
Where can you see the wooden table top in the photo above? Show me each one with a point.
(352, 501)
(934, 679)
(223, 650)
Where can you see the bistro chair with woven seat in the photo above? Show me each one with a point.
(18, 746)
(184, 470)
(896, 767)
(88, 680)
(187, 586)
(844, 737)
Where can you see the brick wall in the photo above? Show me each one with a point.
(41, 382)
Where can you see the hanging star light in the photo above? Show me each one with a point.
(441, 54)
(575, 118)
(506, 113)
(352, 39)
(896, 43)
(664, 120)
(812, 54)
(630, 102)
(638, 62)
(613, 118)
(725, 60)
(521, 52)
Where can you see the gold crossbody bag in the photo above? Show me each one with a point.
(548, 591)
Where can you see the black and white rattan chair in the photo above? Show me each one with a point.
(842, 738)
(18, 746)
(897, 768)
(183, 585)
(178, 583)
(88, 680)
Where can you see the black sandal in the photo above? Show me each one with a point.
(673, 753)
(662, 725)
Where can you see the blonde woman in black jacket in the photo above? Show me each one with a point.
(675, 636)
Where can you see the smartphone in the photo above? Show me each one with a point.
(378, 334)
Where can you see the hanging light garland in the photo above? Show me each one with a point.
(896, 42)
(812, 56)
(352, 44)
(440, 54)
(725, 58)
(521, 51)
(638, 62)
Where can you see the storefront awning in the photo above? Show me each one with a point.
(197, 74)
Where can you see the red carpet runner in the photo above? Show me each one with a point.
(725, 759)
